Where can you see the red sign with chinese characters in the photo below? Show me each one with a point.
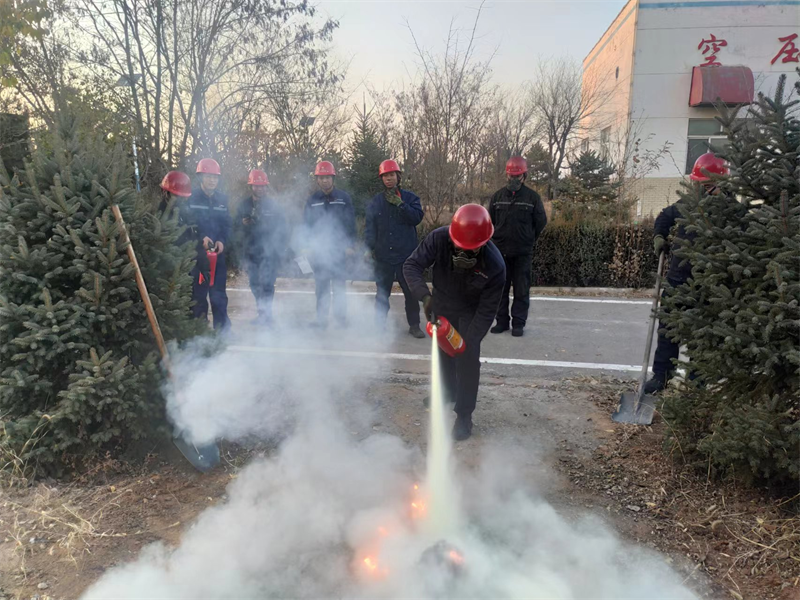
(790, 52)
(710, 49)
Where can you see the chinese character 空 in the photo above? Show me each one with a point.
(712, 46)
(790, 52)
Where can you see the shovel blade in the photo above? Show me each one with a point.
(628, 412)
(203, 458)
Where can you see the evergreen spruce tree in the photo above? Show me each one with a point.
(79, 367)
(362, 159)
(590, 179)
(739, 314)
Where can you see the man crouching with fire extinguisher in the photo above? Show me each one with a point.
(468, 277)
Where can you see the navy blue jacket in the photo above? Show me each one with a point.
(391, 231)
(475, 292)
(266, 236)
(208, 215)
(330, 228)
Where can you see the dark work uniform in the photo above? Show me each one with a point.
(209, 217)
(265, 242)
(468, 299)
(331, 225)
(391, 233)
(518, 219)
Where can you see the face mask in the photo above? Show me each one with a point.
(464, 260)
(514, 184)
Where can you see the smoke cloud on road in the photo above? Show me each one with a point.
(328, 514)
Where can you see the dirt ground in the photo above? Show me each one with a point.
(57, 538)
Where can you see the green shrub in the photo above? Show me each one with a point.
(594, 254)
(739, 313)
(79, 367)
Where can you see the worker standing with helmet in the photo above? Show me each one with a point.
(390, 234)
(706, 168)
(519, 219)
(468, 276)
(208, 210)
(176, 187)
(265, 242)
(331, 224)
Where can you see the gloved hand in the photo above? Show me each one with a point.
(660, 245)
(427, 307)
(369, 256)
(394, 199)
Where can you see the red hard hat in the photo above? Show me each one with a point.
(208, 166)
(471, 227)
(516, 166)
(708, 163)
(388, 166)
(324, 168)
(257, 178)
(177, 183)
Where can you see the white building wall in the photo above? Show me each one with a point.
(667, 39)
(608, 70)
(666, 36)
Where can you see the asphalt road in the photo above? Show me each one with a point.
(564, 335)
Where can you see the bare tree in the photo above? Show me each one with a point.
(563, 101)
(442, 118)
(199, 71)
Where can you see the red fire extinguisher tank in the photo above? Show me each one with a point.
(212, 264)
(449, 340)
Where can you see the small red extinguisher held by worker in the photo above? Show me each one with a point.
(212, 268)
(449, 340)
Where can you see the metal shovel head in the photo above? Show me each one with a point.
(628, 412)
(203, 458)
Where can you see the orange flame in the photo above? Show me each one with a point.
(373, 568)
(456, 558)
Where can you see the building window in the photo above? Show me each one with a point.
(705, 135)
(616, 76)
(605, 139)
(585, 145)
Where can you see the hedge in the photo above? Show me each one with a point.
(593, 254)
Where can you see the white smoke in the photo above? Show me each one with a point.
(303, 522)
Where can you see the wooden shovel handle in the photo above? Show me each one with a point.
(148, 305)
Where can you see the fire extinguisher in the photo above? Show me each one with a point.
(212, 268)
(449, 340)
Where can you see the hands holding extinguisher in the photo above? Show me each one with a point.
(427, 307)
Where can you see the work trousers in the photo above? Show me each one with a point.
(262, 274)
(203, 293)
(327, 284)
(666, 350)
(518, 276)
(385, 276)
(461, 374)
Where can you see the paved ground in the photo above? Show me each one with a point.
(564, 336)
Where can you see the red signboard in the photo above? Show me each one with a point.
(729, 85)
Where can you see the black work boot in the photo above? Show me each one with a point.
(416, 332)
(462, 428)
(656, 383)
(517, 331)
(499, 328)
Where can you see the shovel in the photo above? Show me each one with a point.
(204, 457)
(636, 407)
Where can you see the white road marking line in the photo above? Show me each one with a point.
(533, 298)
(558, 364)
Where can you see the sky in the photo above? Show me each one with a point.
(374, 37)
